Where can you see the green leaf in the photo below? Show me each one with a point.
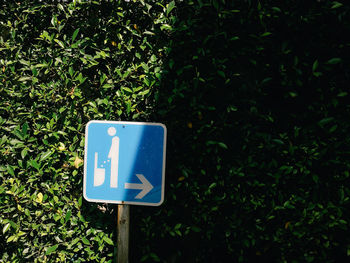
(325, 121)
(221, 73)
(71, 71)
(170, 7)
(45, 155)
(27, 212)
(342, 94)
(16, 142)
(35, 164)
(196, 229)
(24, 153)
(154, 257)
(5, 228)
(216, 4)
(108, 240)
(336, 5)
(333, 128)
(266, 34)
(24, 62)
(68, 215)
(10, 170)
(278, 141)
(222, 145)
(23, 79)
(103, 78)
(108, 86)
(10, 239)
(51, 249)
(277, 9)
(127, 89)
(60, 6)
(54, 21)
(81, 78)
(75, 34)
(59, 42)
(317, 74)
(25, 128)
(212, 185)
(178, 226)
(128, 106)
(334, 61)
(85, 241)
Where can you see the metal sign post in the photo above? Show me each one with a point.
(123, 223)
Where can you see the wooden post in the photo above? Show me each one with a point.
(123, 233)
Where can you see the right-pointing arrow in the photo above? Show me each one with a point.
(145, 186)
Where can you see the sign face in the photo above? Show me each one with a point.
(124, 162)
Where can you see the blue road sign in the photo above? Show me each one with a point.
(124, 162)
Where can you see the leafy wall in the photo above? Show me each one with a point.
(255, 99)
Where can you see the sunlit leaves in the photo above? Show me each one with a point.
(62, 65)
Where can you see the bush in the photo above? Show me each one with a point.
(255, 99)
(62, 65)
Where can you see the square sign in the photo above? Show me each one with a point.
(124, 162)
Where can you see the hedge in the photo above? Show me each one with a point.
(254, 95)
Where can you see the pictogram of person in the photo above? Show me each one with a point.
(114, 156)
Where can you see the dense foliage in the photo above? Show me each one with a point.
(255, 99)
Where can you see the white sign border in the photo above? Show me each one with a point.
(163, 169)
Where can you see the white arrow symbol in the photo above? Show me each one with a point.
(145, 186)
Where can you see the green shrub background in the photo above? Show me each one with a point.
(255, 98)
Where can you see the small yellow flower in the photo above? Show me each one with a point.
(39, 198)
(286, 225)
(137, 28)
(77, 162)
(114, 43)
(62, 147)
